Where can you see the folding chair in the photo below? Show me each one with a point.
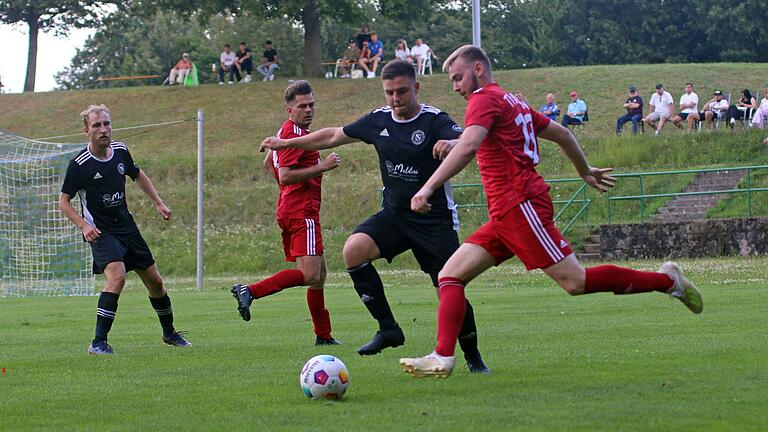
(426, 63)
(191, 78)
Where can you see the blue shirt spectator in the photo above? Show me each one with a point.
(550, 109)
(577, 106)
(376, 47)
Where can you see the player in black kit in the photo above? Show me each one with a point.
(97, 174)
(411, 139)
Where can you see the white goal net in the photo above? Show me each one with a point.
(41, 252)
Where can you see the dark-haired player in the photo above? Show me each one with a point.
(411, 139)
(299, 174)
(503, 132)
(97, 174)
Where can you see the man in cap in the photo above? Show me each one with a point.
(576, 110)
(634, 106)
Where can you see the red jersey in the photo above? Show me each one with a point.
(508, 155)
(298, 200)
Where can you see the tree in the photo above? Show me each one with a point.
(48, 15)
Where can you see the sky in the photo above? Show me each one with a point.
(53, 55)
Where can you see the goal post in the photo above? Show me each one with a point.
(41, 252)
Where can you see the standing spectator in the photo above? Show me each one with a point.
(743, 108)
(364, 35)
(370, 63)
(716, 107)
(689, 108)
(245, 62)
(758, 120)
(634, 106)
(402, 52)
(576, 110)
(420, 51)
(179, 72)
(351, 56)
(227, 61)
(661, 108)
(269, 62)
(550, 109)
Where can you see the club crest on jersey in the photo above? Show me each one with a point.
(121, 168)
(418, 137)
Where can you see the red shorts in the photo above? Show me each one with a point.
(527, 231)
(301, 237)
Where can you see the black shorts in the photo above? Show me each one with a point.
(683, 115)
(130, 249)
(432, 241)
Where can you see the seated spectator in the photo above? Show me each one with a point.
(351, 56)
(574, 116)
(419, 53)
(227, 61)
(269, 62)
(634, 106)
(717, 107)
(761, 114)
(179, 72)
(376, 52)
(364, 35)
(689, 108)
(550, 108)
(245, 62)
(402, 52)
(661, 109)
(746, 105)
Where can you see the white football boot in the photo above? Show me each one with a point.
(430, 365)
(683, 289)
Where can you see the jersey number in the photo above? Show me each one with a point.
(531, 146)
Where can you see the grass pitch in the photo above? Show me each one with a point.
(598, 362)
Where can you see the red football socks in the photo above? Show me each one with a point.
(320, 317)
(450, 315)
(620, 280)
(276, 283)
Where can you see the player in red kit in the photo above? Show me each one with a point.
(299, 174)
(503, 132)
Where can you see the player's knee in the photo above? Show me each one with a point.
(116, 281)
(354, 253)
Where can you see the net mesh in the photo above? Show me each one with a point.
(41, 252)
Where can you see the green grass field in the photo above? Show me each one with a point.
(597, 362)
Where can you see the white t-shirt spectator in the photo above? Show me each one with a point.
(719, 108)
(661, 103)
(402, 54)
(420, 50)
(228, 59)
(688, 98)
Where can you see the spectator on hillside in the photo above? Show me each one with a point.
(245, 62)
(364, 35)
(689, 108)
(758, 119)
(717, 107)
(370, 63)
(574, 116)
(661, 109)
(351, 56)
(179, 72)
(227, 61)
(634, 106)
(419, 53)
(269, 62)
(550, 108)
(402, 52)
(746, 105)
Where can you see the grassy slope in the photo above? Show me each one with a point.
(599, 362)
(241, 233)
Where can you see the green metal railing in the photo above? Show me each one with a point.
(642, 196)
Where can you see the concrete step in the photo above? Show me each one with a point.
(684, 209)
(671, 217)
(594, 238)
(589, 256)
(709, 187)
(701, 200)
(591, 247)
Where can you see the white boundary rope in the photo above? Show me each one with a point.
(118, 129)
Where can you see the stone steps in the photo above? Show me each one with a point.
(693, 207)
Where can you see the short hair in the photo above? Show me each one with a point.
(185, 55)
(93, 109)
(243, 43)
(297, 88)
(398, 68)
(374, 34)
(467, 53)
(550, 95)
(227, 46)
(268, 42)
(689, 84)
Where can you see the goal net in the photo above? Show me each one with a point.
(41, 252)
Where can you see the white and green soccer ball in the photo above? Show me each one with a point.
(324, 377)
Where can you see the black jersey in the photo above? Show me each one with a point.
(101, 185)
(405, 156)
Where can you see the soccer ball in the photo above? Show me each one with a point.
(324, 377)
(328, 75)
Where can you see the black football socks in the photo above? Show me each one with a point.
(105, 315)
(371, 291)
(468, 333)
(162, 307)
